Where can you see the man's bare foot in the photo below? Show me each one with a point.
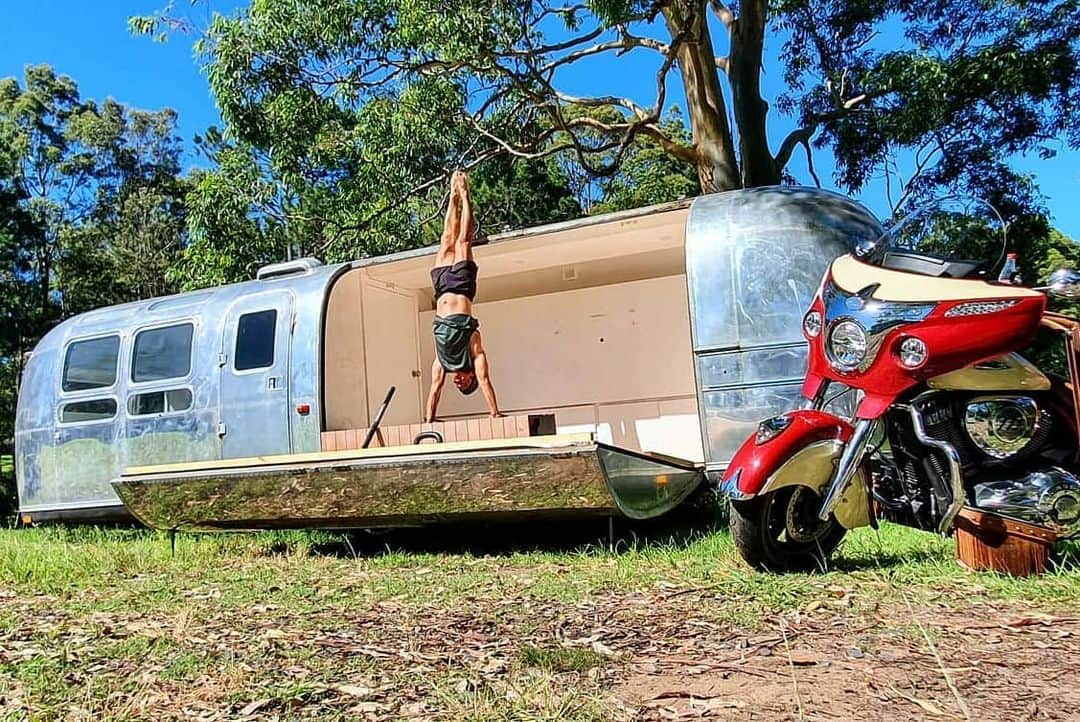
(497, 415)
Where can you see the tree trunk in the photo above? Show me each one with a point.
(718, 168)
(759, 168)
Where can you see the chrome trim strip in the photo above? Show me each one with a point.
(74, 506)
(730, 488)
(957, 481)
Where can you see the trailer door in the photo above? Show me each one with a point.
(254, 389)
(393, 353)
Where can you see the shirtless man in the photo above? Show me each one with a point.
(459, 350)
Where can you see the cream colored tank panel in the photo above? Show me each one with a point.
(1011, 372)
(853, 275)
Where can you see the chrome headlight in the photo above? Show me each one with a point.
(811, 324)
(912, 352)
(847, 345)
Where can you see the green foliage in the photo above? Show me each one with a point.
(91, 212)
(973, 84)
(649, 175)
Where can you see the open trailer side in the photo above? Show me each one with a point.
(665, 332)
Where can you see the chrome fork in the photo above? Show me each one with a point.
(848, 465)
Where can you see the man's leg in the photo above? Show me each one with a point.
(451, 227)
(466, 224)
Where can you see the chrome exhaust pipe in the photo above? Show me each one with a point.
(956, 480)
(848, 465)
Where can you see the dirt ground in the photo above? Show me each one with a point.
(664, 655)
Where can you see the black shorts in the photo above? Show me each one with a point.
(452, 337)
(459, 278)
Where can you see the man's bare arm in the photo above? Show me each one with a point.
(438, 378)
(483, 374)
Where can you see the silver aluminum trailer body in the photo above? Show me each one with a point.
(112, 389)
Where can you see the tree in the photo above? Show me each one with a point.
(970, 82)
(648, 175)
(91, 211)
(98, 186)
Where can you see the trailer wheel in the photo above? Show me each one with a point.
(780, 531)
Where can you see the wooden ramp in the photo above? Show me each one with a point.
(409, 485)
(478, 429)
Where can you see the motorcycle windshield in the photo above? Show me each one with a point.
(951, 238)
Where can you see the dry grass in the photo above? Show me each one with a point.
(107, 624)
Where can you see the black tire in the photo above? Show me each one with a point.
(760, 528)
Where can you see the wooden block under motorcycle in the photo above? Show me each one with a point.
(988, 542)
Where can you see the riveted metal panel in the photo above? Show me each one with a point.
(67, 467)
(754, 260)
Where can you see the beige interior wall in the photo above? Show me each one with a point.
(613, 359)
(344, 372)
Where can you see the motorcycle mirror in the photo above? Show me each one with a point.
(1064, 283)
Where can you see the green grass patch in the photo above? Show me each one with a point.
(134, 570)
(562, 659)
(7, 465)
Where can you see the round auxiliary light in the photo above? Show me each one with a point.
(811, 324)
(912, 353)
(847, 345)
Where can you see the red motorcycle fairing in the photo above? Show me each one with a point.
(954, 339)
(755, 462)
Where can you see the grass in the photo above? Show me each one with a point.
(100, 616)
(562, 659)
(7, 465)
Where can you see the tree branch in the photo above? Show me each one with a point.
(723, 12)
(810, 163)
(804, 134)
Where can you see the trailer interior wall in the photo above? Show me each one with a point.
(589, 322)
(371, 343)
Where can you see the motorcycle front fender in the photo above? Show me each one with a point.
(805, 453)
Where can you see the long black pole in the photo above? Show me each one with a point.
(378, 417)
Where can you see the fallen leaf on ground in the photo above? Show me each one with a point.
(252, 707)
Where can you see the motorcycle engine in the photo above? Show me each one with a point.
(1050, 497)
(1004, 427)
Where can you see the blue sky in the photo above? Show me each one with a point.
(90, 42)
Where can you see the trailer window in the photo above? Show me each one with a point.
(93, 410)
(91, 364)
(162, 353)
(159, 402)
(255, 340)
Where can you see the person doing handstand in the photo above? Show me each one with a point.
(459, 349)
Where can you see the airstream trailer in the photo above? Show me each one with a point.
(632, 353)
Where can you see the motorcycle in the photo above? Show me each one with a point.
(916, 328)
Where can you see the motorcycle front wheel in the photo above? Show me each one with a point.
(780, 531)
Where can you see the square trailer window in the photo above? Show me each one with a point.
(159, 402)
(91, 364)
(92, 410)
(255, 340)
(162, 353)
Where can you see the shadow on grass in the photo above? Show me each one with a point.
(883, 560)
(698, 517)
